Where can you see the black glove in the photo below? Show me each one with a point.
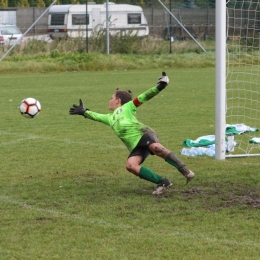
(78, 110)
(163, 81)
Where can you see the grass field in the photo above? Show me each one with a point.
(65, 193)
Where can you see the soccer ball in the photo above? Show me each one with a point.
(30, 107)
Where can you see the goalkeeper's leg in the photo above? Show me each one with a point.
(133, 166)
(172, 159)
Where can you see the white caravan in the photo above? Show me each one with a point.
(71, 20)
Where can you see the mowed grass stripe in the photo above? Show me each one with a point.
(104, 223)
(65, 192)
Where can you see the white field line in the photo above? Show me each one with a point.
(60, 214)
(103, 222)
(22, 138)
(212, 239)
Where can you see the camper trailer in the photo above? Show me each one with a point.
(72, 21)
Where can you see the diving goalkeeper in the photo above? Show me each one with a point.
(140, 139)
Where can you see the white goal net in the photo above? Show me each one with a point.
(243, 76)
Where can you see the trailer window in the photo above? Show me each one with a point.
(134, 18)
(57, 19)
(80, 19)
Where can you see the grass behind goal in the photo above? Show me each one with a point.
(65, 193)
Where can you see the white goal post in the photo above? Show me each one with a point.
(220, 98)
(237, 114)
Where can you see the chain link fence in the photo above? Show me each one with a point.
(157, 24)
(200, 22)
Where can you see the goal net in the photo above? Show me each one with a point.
(243, 76)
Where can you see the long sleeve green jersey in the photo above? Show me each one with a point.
(123, 120)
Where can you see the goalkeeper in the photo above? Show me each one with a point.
(140, 139)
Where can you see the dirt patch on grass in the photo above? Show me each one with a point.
(224, 196)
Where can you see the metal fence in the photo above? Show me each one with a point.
(199, 22)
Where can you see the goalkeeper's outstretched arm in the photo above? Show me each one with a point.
(163, 81)
(82, 111)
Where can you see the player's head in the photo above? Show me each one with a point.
(124, 95)
(119, 98)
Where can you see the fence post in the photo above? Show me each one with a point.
(170, 36)
(87, 22)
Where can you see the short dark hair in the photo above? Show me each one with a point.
(124, 95)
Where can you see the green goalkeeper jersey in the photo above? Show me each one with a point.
(123, 120)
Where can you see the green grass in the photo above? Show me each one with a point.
(68, 61)
(65, 193)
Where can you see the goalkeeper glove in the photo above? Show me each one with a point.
(163, 81)
(78, 110)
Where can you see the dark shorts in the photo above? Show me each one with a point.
(142, 147)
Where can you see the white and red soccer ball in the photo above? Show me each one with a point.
(30, 107)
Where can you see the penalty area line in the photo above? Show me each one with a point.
(22, 137)
(77, 217)
(215, 240)
(105, 223)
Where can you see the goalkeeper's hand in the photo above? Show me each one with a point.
(78, 110)
(163, 81)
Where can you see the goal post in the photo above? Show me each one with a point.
(237, 78)
(220, 80)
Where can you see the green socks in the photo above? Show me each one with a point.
(171, 163)
(173, 160)
(149, 175)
